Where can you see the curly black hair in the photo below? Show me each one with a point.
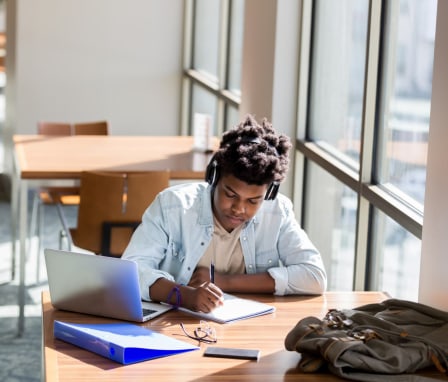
(254, 153)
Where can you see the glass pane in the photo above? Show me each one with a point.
(330, 221)
(396, 258)
(232, 117)
(203, 102)
(236, 46)
(206, 38)
(406, 95)
(337, 74)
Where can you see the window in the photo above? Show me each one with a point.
(338, 67)
(365, 139)
(206, 34)
(212, 74)
(331, 213)
(405, 101)
(397, 258)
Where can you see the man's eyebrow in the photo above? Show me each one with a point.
(228, 188)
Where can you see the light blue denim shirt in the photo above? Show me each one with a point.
(177, 229)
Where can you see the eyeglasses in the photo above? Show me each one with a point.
(203, 333)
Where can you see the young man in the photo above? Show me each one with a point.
(232, 233)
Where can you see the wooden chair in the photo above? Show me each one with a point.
(54, 128)
(46, 195)
(111, 207)
(68, 196)
(71, 197)
(91, 128)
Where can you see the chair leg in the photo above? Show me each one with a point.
(62, 237)
(64, 233)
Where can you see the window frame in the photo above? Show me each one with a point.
(370, 194)
(191, 77)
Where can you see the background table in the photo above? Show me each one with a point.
(59, 161)
(48, 157)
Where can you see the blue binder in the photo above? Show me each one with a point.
(122, 342)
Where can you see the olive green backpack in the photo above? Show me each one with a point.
(387, 341)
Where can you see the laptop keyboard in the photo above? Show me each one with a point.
(147, 312)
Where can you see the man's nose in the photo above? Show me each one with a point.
(238, 206)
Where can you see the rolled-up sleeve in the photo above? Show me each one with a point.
(148, 247)
(301, 269)
(298, 279)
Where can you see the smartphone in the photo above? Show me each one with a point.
(220, 352)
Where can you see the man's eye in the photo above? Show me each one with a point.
(253, 202)
(229, 195)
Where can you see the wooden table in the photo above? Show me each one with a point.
(46, 157)
(65, 362)
(58, 161)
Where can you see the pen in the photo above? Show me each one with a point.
(212, 272)
(212, 262)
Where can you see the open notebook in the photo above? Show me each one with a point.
(234, 309)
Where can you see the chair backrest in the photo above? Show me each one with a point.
(116, 198)
(54, 128)
(91, 128)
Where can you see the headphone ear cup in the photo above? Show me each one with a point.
(212, 173)
(272, 191)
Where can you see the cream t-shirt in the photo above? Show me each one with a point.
(225, 251)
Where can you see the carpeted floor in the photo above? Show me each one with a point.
(20, 357)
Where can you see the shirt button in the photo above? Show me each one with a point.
(250, 266)
(244, 238)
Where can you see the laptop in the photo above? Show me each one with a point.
(98, 285)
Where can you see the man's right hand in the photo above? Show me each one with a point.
(203, 298)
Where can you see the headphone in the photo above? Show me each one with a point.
(212, 173)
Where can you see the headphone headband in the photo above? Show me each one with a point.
(212, 175)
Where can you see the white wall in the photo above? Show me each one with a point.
(434, 260)
(95, 59)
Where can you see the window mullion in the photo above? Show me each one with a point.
(367, 144)
(223, 67)
(303, 99)
(187, 57)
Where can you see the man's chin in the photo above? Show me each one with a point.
(231, 224)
